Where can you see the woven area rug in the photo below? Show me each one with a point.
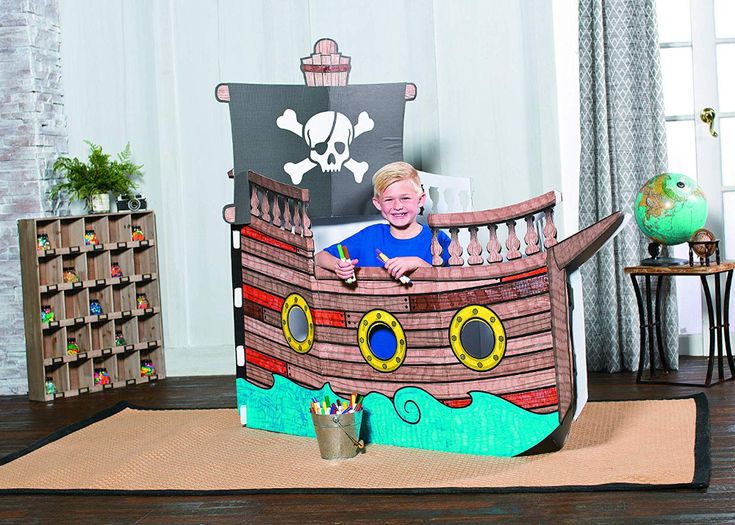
(615, 445)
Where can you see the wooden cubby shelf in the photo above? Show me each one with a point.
(110, 322)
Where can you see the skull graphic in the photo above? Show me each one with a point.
(328, 135)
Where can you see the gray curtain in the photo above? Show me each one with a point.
(623, 144)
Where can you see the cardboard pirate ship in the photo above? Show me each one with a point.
(474, 357)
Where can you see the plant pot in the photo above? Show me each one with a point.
(99, 203)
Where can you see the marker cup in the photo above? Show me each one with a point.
(338, 435)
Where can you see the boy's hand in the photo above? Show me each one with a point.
(397, 266)
(345, 269)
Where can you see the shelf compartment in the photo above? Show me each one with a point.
(76, 304)
(146, 222)
(123, 297)
(103, 335)
(72, 232)
(129, 329)
(59, 374)
(54, 344)
(81, 335)
(149, 327)
(81, 376)
(124, 258)
(50, 270)
(147, 290)
(128, 366)
(77, 262)
(98, 266)
(119, 226)
(145, 260)
(104, 296)
(52, 230)
(98, 225)
(109, 364)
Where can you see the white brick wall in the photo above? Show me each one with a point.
(32, 134)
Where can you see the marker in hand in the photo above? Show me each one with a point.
(403, 278)
(344, 256)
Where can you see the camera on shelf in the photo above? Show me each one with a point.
(133, 204)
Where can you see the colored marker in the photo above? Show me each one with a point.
(403, 278)
(344, 256)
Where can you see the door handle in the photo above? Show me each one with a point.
(708, 117)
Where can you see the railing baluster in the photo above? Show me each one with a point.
(254, 203)
(493, 245)
(455, 249)
(276, 210)
(436, 248)
(549, 228)
(297, 217)
(474, 248)
(265, 206)
(512, 243)
(531, 237)
(306, 221)
(287, 215)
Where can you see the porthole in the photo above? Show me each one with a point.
(477, 337)
(381, 340)
(297, 323)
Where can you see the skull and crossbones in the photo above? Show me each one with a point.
(328, 135)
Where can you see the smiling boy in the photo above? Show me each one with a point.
(398, 195)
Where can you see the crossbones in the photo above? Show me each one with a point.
(328, 135)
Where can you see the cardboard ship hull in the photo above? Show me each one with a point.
(527, 359)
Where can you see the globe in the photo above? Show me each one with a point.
(669, 208)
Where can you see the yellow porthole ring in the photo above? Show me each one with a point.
(472, 358)
(389, 326)
(297, 323)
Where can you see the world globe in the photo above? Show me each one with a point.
(669, 208)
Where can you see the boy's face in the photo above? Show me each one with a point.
(399, 204)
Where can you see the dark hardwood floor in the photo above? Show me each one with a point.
(22, 422)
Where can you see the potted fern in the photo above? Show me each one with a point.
(93, 181)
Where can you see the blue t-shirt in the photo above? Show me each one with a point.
(362, 245)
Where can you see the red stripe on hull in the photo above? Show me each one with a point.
(537, 271)
(264, 361)
(457, 403)
(535, 398)
(328, 318)
(262, 298)
(247, 231)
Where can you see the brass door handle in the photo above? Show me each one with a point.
(708, 117)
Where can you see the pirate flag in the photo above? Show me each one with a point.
(329, 140)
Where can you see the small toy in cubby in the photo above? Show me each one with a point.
(119, 338)
(147, 369)
(95, 307)
(47, 314)
(72, 348)
(43, 242)
(141, 301)
(90, 238)
(70, 275)
(50, 386)
(101, 376)
(138, 234)
(115, 270)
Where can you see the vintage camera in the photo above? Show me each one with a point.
(134, 204)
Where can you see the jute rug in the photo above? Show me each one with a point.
(617, 445)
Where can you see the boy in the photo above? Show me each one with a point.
(398, 195)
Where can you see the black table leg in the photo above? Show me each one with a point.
(659, 332)
(718, 328)
(726, 324)
(642, 323)
(650, 324)
(711, 317)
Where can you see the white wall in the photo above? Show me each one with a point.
(145, 72)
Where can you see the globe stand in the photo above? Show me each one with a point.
(654, 250)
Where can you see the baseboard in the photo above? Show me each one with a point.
(200, 360)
